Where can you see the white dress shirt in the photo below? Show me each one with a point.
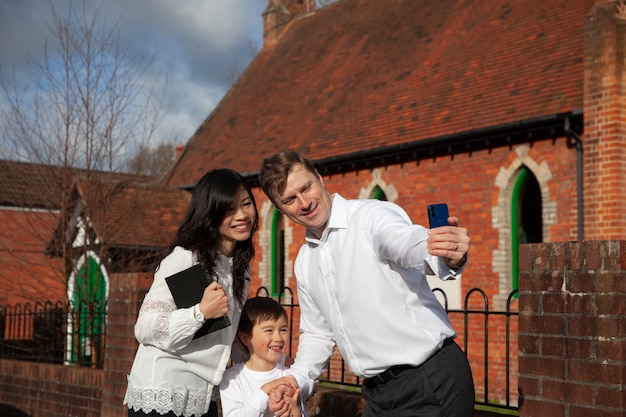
(363, 286)
(172, 372)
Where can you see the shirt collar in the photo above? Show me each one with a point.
(338, 219)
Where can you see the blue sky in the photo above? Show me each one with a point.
(201, 45)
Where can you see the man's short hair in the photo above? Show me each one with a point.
(276, 169)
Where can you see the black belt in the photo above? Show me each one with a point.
(394, 371)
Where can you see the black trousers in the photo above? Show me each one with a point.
(440, 387)
(211, 413)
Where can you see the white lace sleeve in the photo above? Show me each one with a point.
(159, 322)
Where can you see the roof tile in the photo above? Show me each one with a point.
(364, 74)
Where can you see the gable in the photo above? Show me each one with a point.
(368, 74)
(141, 218)
(126, 216)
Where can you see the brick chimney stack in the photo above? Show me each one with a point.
(279, 13)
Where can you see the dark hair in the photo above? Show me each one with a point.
(257, 310)
(275, 170)
(212, 197)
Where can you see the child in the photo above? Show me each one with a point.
(245, 386)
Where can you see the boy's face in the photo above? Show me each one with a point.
(267, 343)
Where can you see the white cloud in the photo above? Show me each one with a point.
(198, 44)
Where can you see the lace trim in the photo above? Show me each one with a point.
(160, 332)
(181, 401)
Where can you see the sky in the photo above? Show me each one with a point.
(198, 47)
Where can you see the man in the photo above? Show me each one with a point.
(361, 278)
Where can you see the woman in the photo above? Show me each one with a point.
(173, 373)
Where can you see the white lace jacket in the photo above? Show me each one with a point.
(172, 372)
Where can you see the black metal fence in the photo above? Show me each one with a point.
(54, 333)
(75, 335)
(482, 328)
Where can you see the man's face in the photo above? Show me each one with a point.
(305, 200)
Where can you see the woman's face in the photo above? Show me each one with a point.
(238, 223)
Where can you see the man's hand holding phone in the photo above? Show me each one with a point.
(446, 239)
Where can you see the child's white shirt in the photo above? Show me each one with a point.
(241, 394)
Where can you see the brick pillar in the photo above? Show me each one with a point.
(604, 142)
(125, 297)
(572, 329)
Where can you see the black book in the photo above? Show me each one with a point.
(187, 288)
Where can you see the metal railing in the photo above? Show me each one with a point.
(54, 333)
(496, 326)
(75, 335)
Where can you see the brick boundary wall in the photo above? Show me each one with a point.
(125, 297)
(42, 390)
(572, 329)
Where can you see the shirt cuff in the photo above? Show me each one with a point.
(305, 384)
(192, 315)
(448, 273)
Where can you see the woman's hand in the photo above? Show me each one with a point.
(214, 303)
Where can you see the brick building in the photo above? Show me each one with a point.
(481, 105)
(510, 112)
(60, 225)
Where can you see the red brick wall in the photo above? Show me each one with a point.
(41, 390)
(125, 297)
(605, 122)
(572, 338)
(467, 182)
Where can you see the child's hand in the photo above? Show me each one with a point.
(294, 404)
(280, 391)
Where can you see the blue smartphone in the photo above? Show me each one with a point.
(438, 215)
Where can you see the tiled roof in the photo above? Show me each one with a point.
(366, 74)
(132, 216)
(28, 185)
(33, 185)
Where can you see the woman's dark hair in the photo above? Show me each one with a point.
(212, 197)
(257, 310)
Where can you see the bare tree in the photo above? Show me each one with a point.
(92, 109)
(93, 105)
(155, 161)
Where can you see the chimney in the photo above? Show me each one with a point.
(278, 14)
